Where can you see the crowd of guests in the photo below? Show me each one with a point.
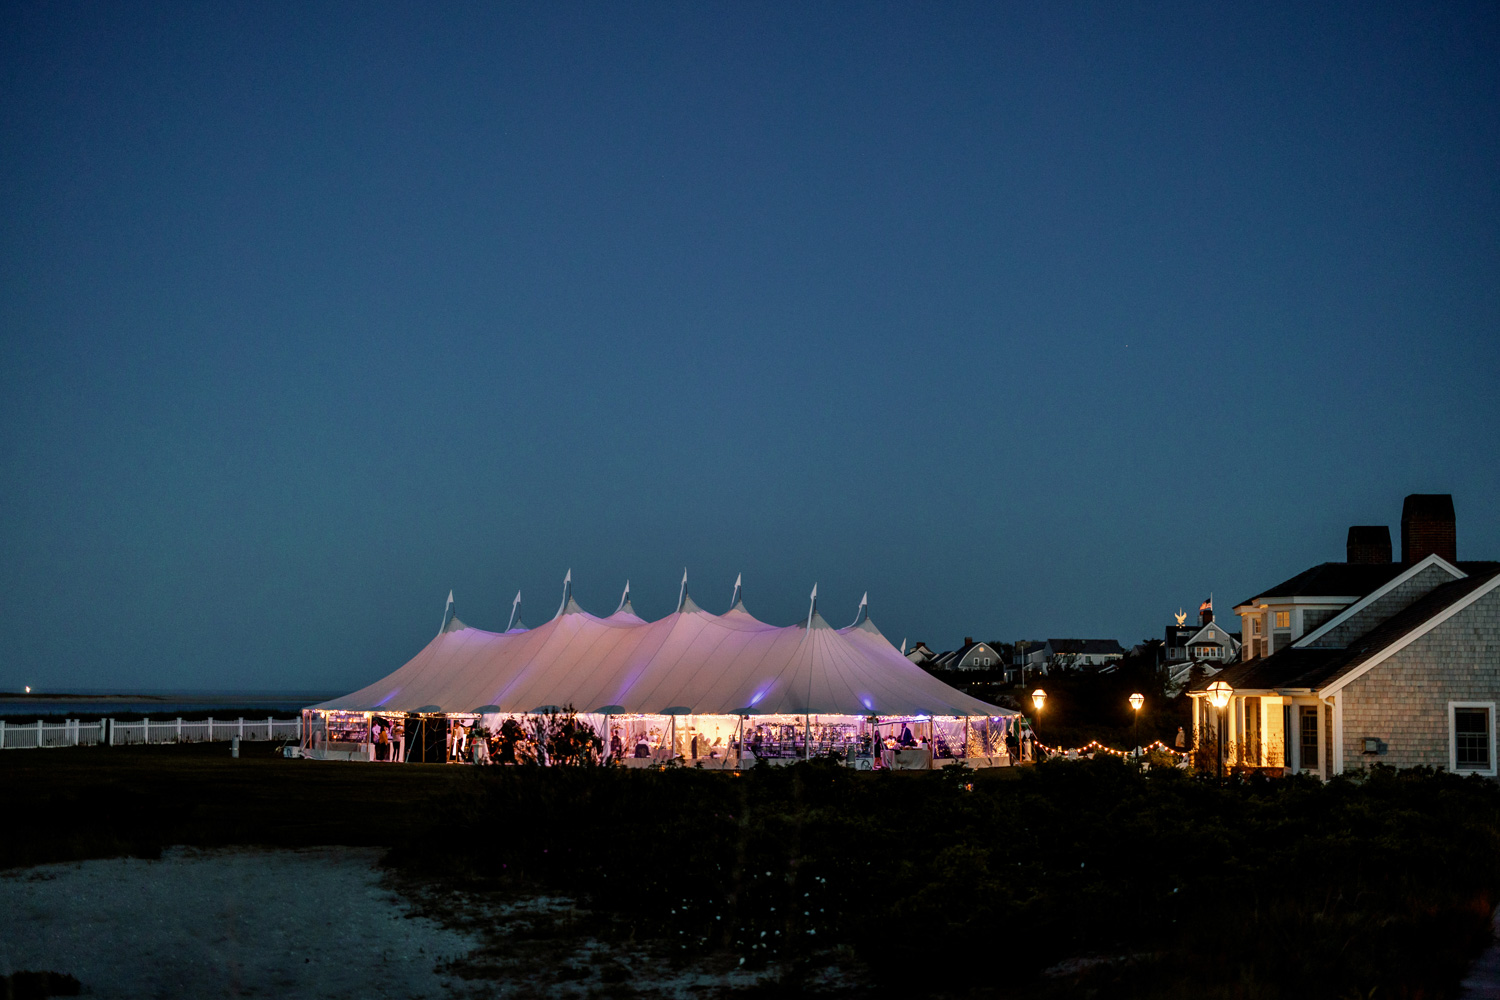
(469, 742)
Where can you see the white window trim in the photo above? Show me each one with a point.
(1453, 737)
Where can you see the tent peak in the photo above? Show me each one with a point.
(684, 602)
(812, 608)
(625, 605)
(450, 617)
(568, 605)
(515, 613)
(737, 600)
(863, 614)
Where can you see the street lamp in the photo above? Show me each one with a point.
(1136, 701)
(1219, 693)
(1037, 697)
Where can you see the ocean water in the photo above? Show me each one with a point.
(90, 704)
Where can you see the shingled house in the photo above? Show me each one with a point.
(1203, 649)
(1070, 654)
(970, 656)
(1369, 660)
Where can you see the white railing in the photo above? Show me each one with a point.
(72, 732)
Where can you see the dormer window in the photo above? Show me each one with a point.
(1283, 619)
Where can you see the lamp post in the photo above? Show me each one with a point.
(1037, 698)
(1136, 701)
(1219, 694)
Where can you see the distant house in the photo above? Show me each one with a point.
(1030, 653)
(970, 656)
(1204, 645)
(1074, 654)
(921, 655)
(1368, 660)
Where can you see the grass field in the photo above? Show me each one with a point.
(71, 803)
(1069, 879)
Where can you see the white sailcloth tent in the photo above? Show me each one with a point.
(692, 663)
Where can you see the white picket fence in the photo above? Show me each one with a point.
(72, 732)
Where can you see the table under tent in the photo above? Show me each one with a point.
(707, 690)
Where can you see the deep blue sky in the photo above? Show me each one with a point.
(1033, 320)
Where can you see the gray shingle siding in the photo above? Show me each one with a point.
(1400, 597)
(1403, 701)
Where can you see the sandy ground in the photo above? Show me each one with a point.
(226, 923)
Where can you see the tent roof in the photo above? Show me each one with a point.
(708, 664)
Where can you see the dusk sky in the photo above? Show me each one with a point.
(1033, 320)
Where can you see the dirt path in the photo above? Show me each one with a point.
(1483, 981)
(226, 923)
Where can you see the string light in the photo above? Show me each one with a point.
(1093, 746)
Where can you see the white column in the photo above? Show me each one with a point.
(38, 732)
(1322, 750)
(1293, 735)
(179, 729)
(1338, 734)
(242, 729)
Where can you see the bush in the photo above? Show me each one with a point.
(1380, 881)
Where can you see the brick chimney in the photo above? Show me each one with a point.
(968, 640)
(1428, 527)
(1369, 544)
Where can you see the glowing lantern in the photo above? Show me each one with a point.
(1037, 697)
(1218, 693)
(1136, 701)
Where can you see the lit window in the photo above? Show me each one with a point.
(1255, 626)
(1283, 619)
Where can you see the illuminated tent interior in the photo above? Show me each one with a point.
(692, 684)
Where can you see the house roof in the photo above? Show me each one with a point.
(1331, 579)
(956, 655)
(1079, 647)
(1337, 579)
(1314, 667)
